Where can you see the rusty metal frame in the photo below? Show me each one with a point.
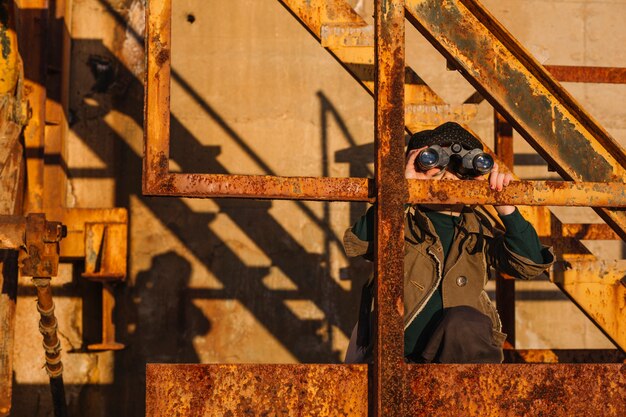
(395, 385)
(157, 180)
(523, 91)
(388, 369)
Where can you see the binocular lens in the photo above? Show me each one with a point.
(483, 163)
(427, 159)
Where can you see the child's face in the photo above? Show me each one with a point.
(445, 175)
(452, 176)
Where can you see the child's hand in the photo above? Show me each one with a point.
(411, 173)
(497, 181)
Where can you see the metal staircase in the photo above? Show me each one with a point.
(548, 117)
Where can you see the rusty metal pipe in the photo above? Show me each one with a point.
(530, 193)
(51, 343)
(262, 186)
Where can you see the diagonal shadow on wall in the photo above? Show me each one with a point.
(307, 340)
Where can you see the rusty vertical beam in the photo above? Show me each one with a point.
(157, 95)
(391, 193)
(32, 30)
(505, 288)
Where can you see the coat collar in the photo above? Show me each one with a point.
(472, 222)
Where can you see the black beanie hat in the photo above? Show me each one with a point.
(444, 135)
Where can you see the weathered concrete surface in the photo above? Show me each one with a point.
(256, 281)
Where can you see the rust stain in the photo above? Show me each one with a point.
(162, 57)
(538, 389)
(240, 390)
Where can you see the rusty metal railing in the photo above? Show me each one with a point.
(396, 389)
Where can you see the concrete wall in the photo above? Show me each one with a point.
(230, 280)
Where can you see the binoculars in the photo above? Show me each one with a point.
(464, 162)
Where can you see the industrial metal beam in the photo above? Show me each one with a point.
(341, 390)
(391, 193)
(12, 119)
(595, 231)
(520, 88)
(580, 74)
(516, 390)
(258, 186)
(256, 390)
(531, 193)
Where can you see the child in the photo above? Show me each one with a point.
(449, 250)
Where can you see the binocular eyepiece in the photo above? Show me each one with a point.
(462, 161)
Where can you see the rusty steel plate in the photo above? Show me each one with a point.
(516, 390)
(256, 390)
(341, 390)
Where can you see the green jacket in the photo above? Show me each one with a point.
(477, 246)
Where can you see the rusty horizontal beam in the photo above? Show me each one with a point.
(530, 193)
(256, 390)
(579, 74)
(262, 186)
(564, 356)
(361, 35)
(606, 272)
(516, 390)
(600, 231)
(76, 219)
(341, 390)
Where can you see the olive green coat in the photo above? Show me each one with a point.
(477, 246)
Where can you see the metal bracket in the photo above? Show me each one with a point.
(105, 262)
